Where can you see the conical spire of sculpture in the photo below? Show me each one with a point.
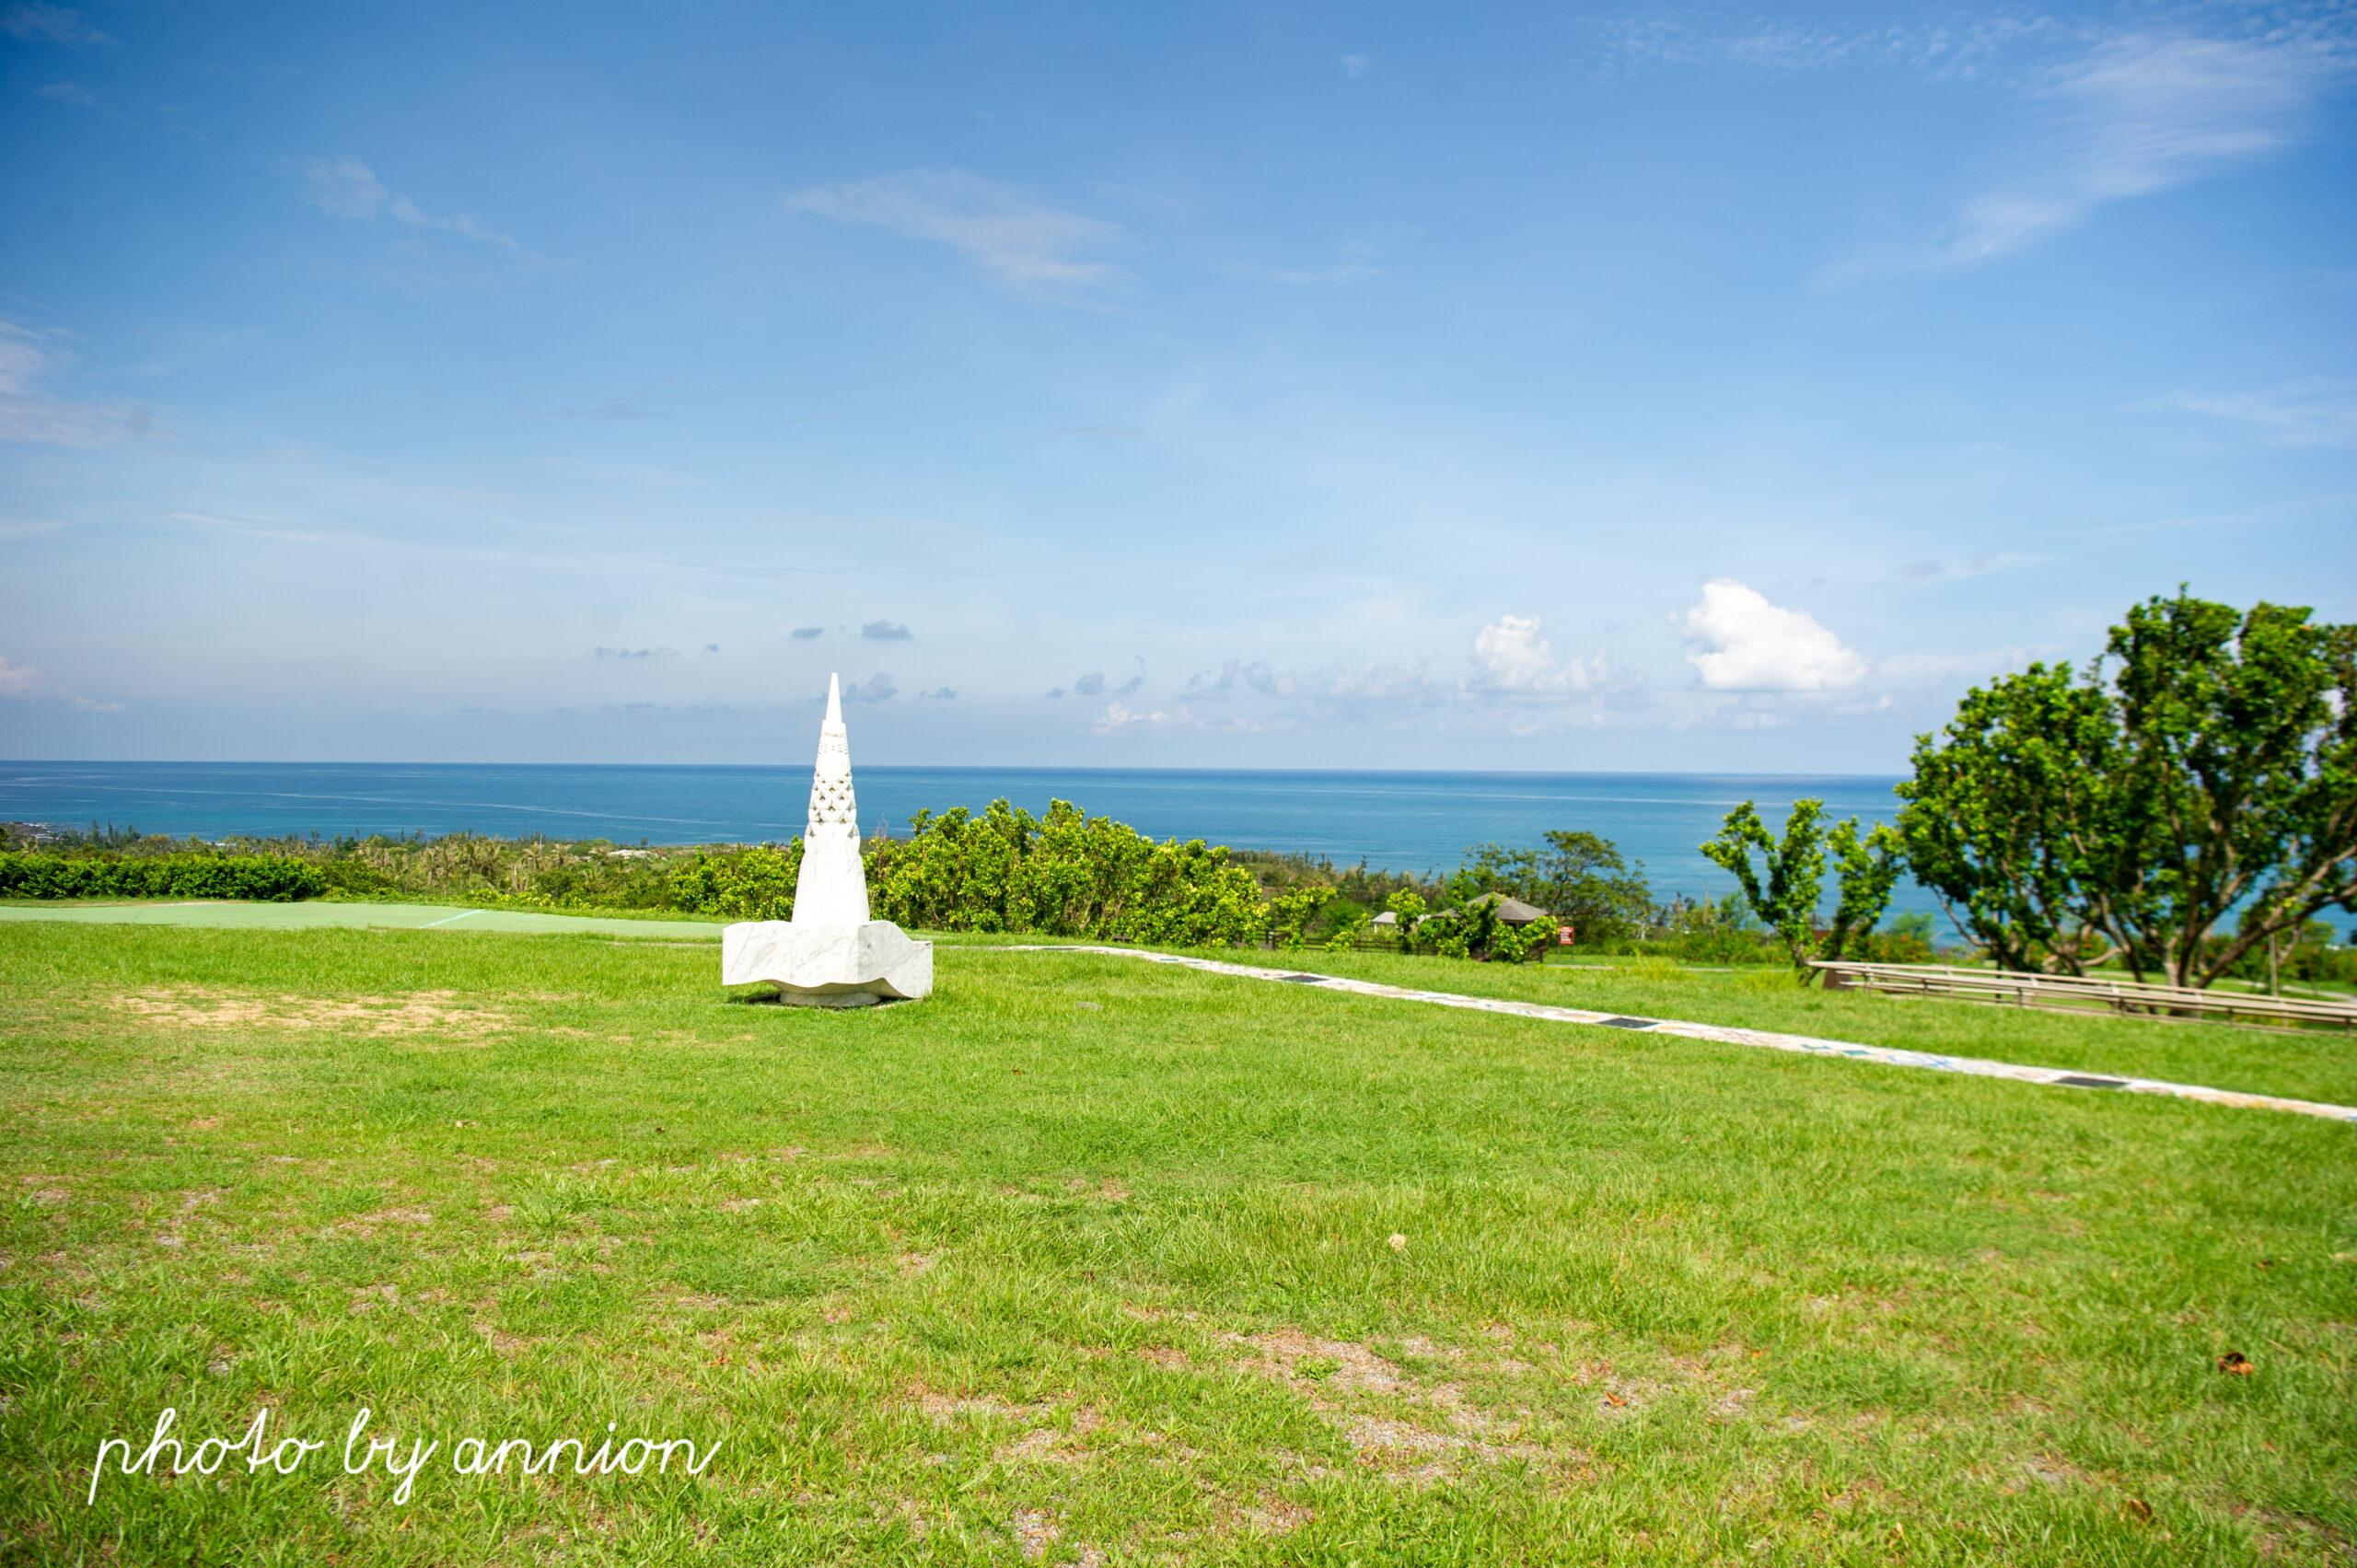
(831, 889)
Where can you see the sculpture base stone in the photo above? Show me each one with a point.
(827, 966)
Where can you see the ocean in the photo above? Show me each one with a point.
(1400, 821)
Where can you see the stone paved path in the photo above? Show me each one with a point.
(1889, 1056)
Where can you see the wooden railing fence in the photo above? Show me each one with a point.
(2073, 993)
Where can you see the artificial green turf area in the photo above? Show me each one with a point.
(1086, 1260)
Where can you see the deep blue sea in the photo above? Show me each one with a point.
(1408, 822)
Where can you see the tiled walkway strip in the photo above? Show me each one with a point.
(1888, 1055)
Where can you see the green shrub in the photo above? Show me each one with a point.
(270, 878)
(355, 878)
(1906, 940)
(1067, 874)
(754, 884)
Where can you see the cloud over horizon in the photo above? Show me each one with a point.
(1514, 659)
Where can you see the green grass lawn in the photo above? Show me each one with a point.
(1089, 1261)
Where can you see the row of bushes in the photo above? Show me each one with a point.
(1066, 874)
(274, 877)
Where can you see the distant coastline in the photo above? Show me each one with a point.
(1404, 821)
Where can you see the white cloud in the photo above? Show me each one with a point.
(1373, 685)
(2135, 116)
(879, 688)
(27, 414)
(2320, 411)
(1255, 677)
(1749, 645)
(1354, 63)
(1019, 240)
(57, 24)
(1117, 718)
(408, 213)
(67, 92)
(23, 683)
(346, 188)
(1515, 660)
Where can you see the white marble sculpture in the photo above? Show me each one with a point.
(830, 954)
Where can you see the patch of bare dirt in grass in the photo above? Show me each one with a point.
(508, 1346)
(1274, 1515)
(1048, 1446)
(2276, 1534)
(366, 1226)
(909, 1513)
(1428, 1426)
(1036, 1530)
(170, 1234)
(945, 1409)
(420, 1013)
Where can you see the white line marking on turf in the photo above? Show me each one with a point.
(1889, 1056)
(460, 916)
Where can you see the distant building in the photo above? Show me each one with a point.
(1511, 911)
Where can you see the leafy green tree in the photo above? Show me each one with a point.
(1290, 912)
(1787, 901)
(2012, 815)
(2211, 782)
(1866, 866)
(1581, 878)
(1407, 906)
(2240, 786)
(1516, 944)
(1349, 930)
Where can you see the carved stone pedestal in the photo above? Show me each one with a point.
(827, 966)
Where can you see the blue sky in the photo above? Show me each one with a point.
(1705, 389)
